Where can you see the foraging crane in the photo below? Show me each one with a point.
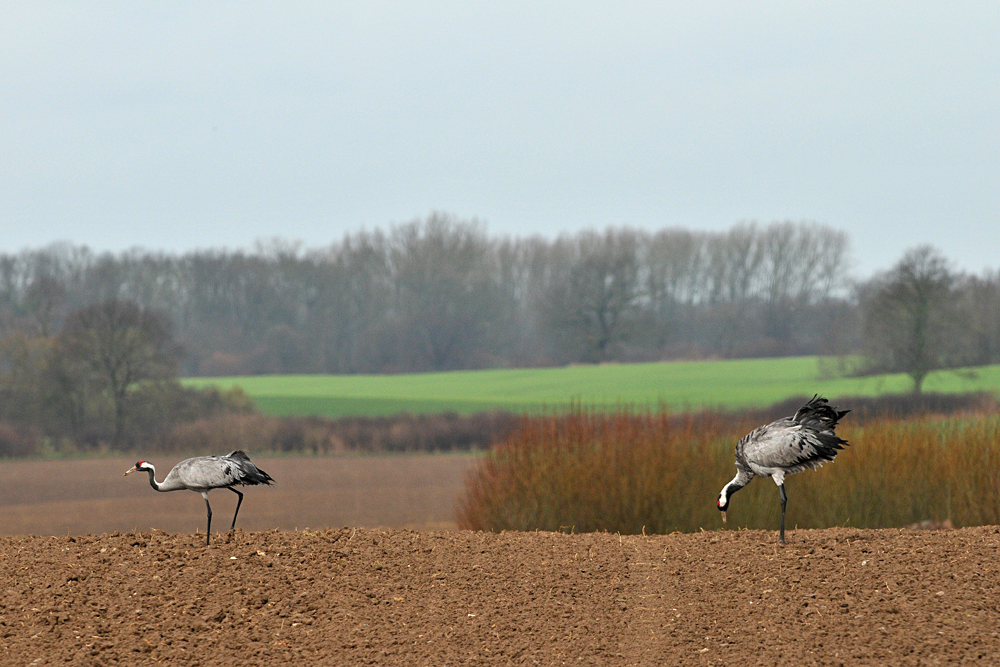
(204, 473)
(786, 446)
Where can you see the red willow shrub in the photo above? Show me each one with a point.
(587, 471)
(628, 472)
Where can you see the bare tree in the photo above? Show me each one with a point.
(347, 317)
(674, 271)
(801, 265)
(979, 302)
(447, 298)
(43, 300)
(909, 318)
(118, 345)
(593, 298)
(24, 363)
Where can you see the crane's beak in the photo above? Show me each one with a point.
(130, 471)
(723, 511)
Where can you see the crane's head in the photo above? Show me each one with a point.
(723, 502)
(141, 465)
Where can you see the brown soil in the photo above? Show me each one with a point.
(361, 596)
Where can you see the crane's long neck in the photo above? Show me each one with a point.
(152, 477)
(742, 479)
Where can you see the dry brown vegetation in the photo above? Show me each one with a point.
(244, 429)
(660, 473)
(314, 435)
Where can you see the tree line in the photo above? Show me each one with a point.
(440, 293)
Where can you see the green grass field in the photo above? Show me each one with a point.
(676, 385)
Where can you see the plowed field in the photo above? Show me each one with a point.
(366, 596)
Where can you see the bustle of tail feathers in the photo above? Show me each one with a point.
(821, 418)
(250, 474)
(819, 412)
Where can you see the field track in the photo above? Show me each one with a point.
(90, 495)
(361, 596)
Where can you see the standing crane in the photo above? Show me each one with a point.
(204, 473)
(786, 446)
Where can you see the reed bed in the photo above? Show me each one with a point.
(632, 472)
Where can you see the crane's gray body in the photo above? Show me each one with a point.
(792, 444)
(203, 473)
(789, 445)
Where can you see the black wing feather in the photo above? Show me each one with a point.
(244, 470)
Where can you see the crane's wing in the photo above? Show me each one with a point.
(246, 472)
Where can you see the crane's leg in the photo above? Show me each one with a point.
(784, 499)
(238, 502)
(208, 530)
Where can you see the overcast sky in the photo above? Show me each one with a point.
(176, 126)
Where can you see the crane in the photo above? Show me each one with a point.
(785, 446)
(204, 473)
